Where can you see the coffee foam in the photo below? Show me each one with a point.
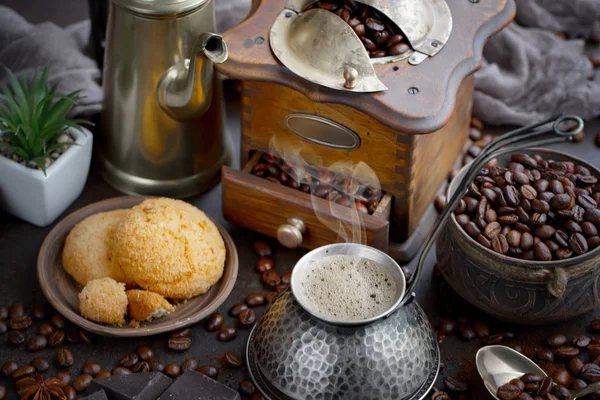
(347, 288)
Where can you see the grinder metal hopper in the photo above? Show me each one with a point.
(319, 46)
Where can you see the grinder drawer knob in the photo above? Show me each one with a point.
(290, 233)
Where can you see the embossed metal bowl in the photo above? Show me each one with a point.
(292, 354)
(515, 290)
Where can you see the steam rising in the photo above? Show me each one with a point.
(338, 213)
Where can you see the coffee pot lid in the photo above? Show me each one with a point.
(160, 7)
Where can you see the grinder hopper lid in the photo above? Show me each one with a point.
(319, 46)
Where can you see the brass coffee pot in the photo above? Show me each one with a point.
(163, 115)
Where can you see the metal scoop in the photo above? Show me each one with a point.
(497, 365)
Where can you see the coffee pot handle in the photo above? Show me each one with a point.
(519, 139)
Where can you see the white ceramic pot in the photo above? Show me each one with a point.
(39, 199)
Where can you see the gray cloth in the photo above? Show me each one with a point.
(26, 49)
(530, 73)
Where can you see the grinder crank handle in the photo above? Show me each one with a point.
(529, 136)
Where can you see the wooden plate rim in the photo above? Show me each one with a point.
(231, 263)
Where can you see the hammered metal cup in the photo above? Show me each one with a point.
(293, 354)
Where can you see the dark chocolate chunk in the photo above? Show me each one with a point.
(98, 395)
(140, 386)
(188, 385)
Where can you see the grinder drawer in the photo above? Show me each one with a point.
(289, 214)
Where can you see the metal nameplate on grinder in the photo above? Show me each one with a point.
(322, 131)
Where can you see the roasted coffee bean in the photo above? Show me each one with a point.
(575, 366)
(484, 241)
(120, 371)
(256, 299)
(39, 311)
(24, 371)
(499, 244)
(182, 333)
(593, 350)
(91, 368)
(129, 360)
(141, 366)
(247, 317)
(3, 313)
(72, 335)
(144, 353)
(264, 264)
(492, 230)
(565, 353)
(526, 241)
(556, 340)
(525, 396)
(64, 377)
(40, 364)
(589, 229)
(82, 383)
(561, 392)
(262, 248)
(70, 393)
(514, 238)
(544, 355)
(286, 278)
(56, 338)
(209, 370)
(3, 393)
(45, 329)
(465, 331)
(593, 242)
(592, 216)
(508, 391)
(540, 206)
(455, 385)
(561, 377)
(64, 358)
(578, 384)
(581, 341)
(3, 328)
(493, 339)
(440, 202)
(36, 343)
(545, 386)
(269, 297)
(215, 322)
(578, 244)
(463, 220)
(237, 309)
(15, 338)
(102, 374)
(590, 373)
(189, 365)
(16, 310)
(398, 49)
(518, 383)
(545, 232)
(179, 344)
(271, 278)
(447, 326)
(59, 321)
(227, 334)
(172, 370)
(20, 323)
(246, 387)
(8, 368)
(481, 330)
(230, 359)
(156, 366)
(531, 378)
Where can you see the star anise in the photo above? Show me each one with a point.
(39, 389)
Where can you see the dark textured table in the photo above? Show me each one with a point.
(20, 241)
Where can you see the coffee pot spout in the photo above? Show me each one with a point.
(185, 90)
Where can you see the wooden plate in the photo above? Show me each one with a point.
(61, 290)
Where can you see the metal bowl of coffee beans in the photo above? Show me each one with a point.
(523, 244)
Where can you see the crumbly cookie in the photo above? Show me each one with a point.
(145, 305)
(87, 252)
(170, 247)
(104, 300)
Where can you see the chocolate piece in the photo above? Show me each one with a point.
(140, 386)
(193, 385)
(98, 395)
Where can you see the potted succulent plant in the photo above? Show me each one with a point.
(44, 156)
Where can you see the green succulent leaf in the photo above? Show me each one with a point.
(33, 116)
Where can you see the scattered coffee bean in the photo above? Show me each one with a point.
(172, 370)
(189, 365)
(70, 393)
(20, 323)
(231, 359)
(8, 368)
(182, 333)
(215, 322)
(247, 317)
(59, 321)
(481, 330)
(227, 334)
(440, 202)
(64, 358)
(447, 326)
(16, 310)
(262, 248)
(15, 338)
(247, 388)
(255, 299)
(561, 377)
(40, 364)
(129, 360)
(3, 313)
(271, 278)
(39, 311)
(575, 366)
(145, 353)
(179, 344)
(237, 309)
(465, 331)
(209, 370)
(82, 383)
(45, 329)
(36, 343)
(156, 366)
(264, 264)
(56, 338)
(581, 341)
(72, 335)
(556, 340)
(91, 368)
(140, 366)
(64, 377)
(86, 337)
(590, 373)
(25, 370)
(120, 371)
(102, 374)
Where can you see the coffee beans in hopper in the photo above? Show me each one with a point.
(379, 35)
(322, 184)
(533, 209)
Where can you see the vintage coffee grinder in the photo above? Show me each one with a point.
(309, 82)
